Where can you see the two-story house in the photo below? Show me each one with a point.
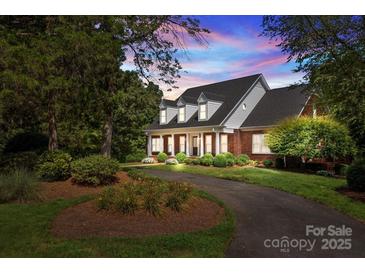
(229, 116)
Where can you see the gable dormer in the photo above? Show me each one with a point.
(208, 104)
(168, 110)
(186, 108)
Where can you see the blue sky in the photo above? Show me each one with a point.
(235, 49)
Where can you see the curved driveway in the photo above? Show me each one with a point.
(265, 216)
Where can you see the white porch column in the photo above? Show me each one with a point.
(149, 144)
(173, 145)
(217, 143)
(201, 144)
(161, 143)
(187, 144)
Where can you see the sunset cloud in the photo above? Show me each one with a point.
(235, 49)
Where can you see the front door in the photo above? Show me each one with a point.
(195, 145)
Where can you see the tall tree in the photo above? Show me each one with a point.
(152, 42)
(330, 50)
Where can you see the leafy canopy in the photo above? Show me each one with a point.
(330, 51)
(310, 138)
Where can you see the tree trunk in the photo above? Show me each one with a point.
(52, 128)
(106, 147)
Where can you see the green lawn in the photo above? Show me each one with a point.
(313, 187)
(24, 232)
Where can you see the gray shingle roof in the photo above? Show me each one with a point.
(277, 104)
(230, 92)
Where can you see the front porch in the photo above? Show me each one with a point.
(193, 143)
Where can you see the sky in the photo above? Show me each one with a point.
(235, 49)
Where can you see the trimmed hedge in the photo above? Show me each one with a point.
(356, 175)
(231, 159)
(181, 157)
(242, 160)
(206, 159)
(220, 160)
(94, 170)
(54, 165)
(162, 157)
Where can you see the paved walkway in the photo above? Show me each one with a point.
(265, 213)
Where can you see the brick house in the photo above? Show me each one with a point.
(228, 116)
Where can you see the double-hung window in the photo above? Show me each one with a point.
(258, 144)
(182, 144)
(181, 114)
(169, 144)
(208, 143)
(155, 144)
(224, 143)
(203, 111)
(163, 116)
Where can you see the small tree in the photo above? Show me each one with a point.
(310, 138)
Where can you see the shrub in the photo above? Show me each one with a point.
(135, 157)
(206, 159)
(315, 166)
(136, 174)
(178, 194)
(231, 159)
(106, 199)
(22, 160)
(171, 162)
(341, 169)
(149, 160)
(54, 165)
(162, 157)
(20, 185)
(324, 173)
(152, 197)
(27, 141)
(356, 175)
(181, 157)
(126, 199)
(220, 160)
(279, 163)
(188, 161)
(196, 161)
(94, 170)
(242, 160)
(267, 163)
(253, 163)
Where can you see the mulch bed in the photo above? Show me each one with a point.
(85, 220)
(359, 196)
(68, 190)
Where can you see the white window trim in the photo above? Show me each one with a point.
(165, 112)
(169, 144)
(155, 144)
(210, 145)
(178, 115)
(221, 143)
(261, 145)
(182, 144)
(206, 112)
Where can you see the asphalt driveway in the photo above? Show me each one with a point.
(272, 223)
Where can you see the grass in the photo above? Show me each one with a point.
(24, 232)
(18, 185)
(313, 187)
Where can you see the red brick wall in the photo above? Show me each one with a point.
(177, 142)
(246, 146)
(165, 144)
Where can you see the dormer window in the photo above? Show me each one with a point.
(163, 116)
(181, 115)
(203, 111)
